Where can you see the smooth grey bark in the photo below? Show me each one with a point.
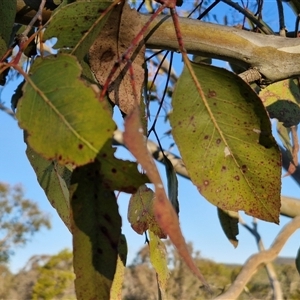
(275, 57)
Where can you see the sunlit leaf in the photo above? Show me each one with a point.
(159, 261)
(282, 100)
(55, 181)
(77, 25)
(226, 142)
(96, 229)
(117, 286)
(62, 116)
(140, 212)
(163, 210)
(284, 135)
(229, 221)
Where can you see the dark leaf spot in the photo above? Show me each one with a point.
(107, 218)
(218, 141)
(206, 137)
(114, 170)
(211, 94)
(237, 177)
(223, 168)
(108, 55)
(80, 146)
(206, 182)
(244, 168)
(104, 229)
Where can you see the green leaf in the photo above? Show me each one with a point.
(226, 143)
(7, 17)
(117, 286)
(120, 175)
(282, 100)
(298, 261)
(172, 184)
(140, 212)
(63, 117)
(3, 47)
(55, 181)
(77, 25)
(229, 221)
(159, 261)
(284, 135)
(96, 229)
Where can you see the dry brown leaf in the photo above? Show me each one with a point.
(164, 212)
(116, 36)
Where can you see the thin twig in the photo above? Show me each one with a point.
(253, 262)
(7, 110)
(281, 18)
(277, 291)
(290, 207)
(38, 16)
(252, 18)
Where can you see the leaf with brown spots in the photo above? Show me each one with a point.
(163, 210)
(96, 229)
(113, 41)
(77, 25)
(140, 212)
(120, 175)
(61, 114)
(159, 261)
(226, 143)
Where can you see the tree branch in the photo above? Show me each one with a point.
(276, 287)
(275, 57)
(255, 260)
(290, 207)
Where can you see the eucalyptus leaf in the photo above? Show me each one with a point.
(225, 139)
(229, 221)
(96, 229)
(61, 114)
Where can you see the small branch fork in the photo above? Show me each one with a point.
(262, 257)
(277, 291)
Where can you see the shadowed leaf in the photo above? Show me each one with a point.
(172, 184)
(229, 221)
(298, 261)
(55, 181)
(282, 100)
(77, 25)
(96, 229)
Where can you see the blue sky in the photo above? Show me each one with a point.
(199, 220)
